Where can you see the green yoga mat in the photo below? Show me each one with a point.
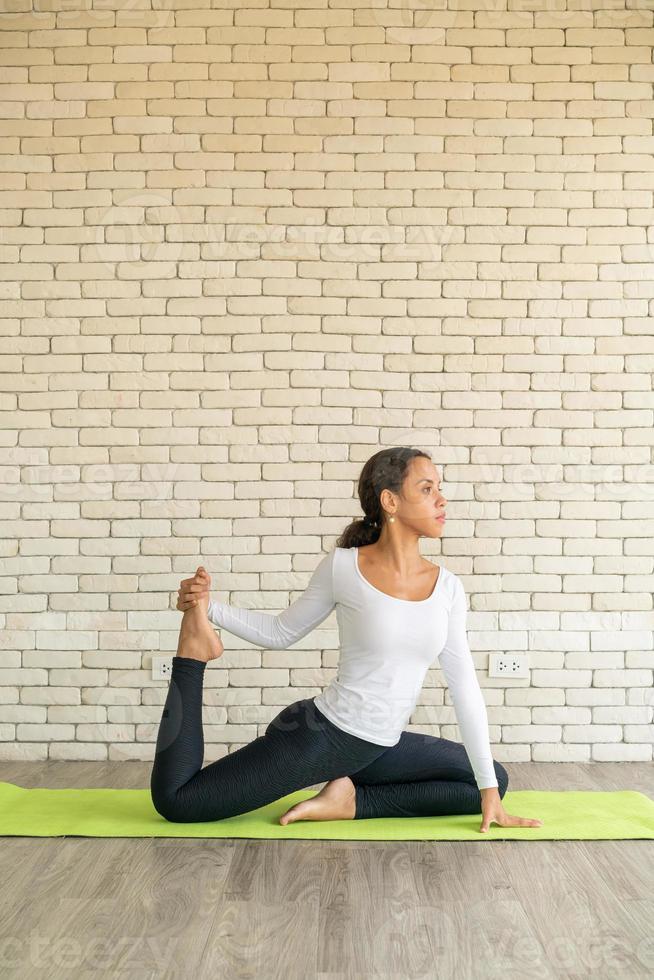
(566, 815)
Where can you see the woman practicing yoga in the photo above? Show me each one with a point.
(397, 615)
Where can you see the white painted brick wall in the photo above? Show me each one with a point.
(244, 247)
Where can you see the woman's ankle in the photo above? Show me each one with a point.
(182, 658)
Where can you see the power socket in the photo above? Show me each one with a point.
(162, 668)
(507, 665)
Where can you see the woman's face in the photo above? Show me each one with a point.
(422, 505)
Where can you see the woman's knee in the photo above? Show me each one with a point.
(502, 778)
(170, 808)
(165, 809)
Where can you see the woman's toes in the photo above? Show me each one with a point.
(289, 816)
(322, 806)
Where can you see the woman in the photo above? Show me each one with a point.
(397, 614)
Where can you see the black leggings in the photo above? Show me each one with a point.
(419, 776)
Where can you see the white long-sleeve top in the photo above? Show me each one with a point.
(387, 645)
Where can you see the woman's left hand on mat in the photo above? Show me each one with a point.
(493, 812)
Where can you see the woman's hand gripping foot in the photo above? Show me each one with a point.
(335, 801)
(197, 638)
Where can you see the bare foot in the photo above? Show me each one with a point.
(335, 801)
(197, 638)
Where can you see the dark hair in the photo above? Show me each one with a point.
(386, 470)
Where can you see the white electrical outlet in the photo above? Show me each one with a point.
(507, 665)
(162, 668)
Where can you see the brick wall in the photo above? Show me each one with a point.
(245, 245)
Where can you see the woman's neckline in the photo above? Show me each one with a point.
(413, 602)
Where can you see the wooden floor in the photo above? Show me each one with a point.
(335, 910)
